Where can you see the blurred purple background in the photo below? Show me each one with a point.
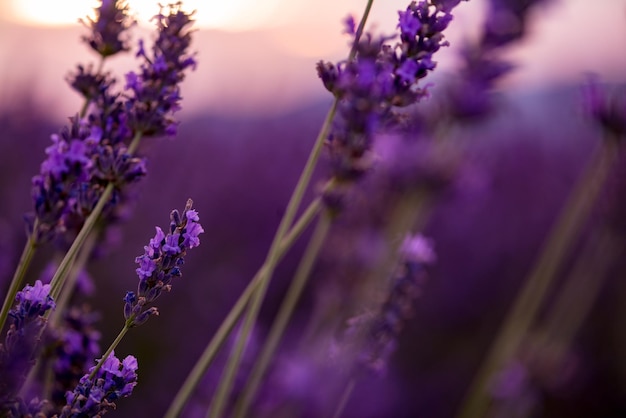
(240, 168)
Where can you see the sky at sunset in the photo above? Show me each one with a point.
(261, 59)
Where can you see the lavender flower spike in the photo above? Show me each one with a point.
(108, 29)
(18, 350)
(154, 93)
(93, 397)
(161, 262)
(381, 78)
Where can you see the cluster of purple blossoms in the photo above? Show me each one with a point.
(93, 396)
(154, 91)
(160, 263)
(18, 350)
(380, 78)
(94, 151)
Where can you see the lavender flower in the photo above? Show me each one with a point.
(32, 303)
(93, 152)
(380, 78)
(108, 30)
(160, 263)
(94, 396)
(18, 350)
(469, 97)
(154, 93)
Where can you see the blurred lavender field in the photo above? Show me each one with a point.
(486, 231)
(487, 228)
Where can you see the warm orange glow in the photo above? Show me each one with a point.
(218, 14)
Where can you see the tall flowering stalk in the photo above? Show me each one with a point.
(69, 157)
(564, 232)
(97, 392)
(374, 80)
(84, 179)
(163, 257)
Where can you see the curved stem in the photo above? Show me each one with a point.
(224, 388)
(284, 314)
(268, 269)
(359, 30)
(68, 289)
(537, 284)
(345, 396)
(18, 276)
(66, 264)
(112, 347)
(205, 360)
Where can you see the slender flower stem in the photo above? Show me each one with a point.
(68, 289)
(60, 276)
(18, 276)
(205, 360)
(345, 397)
(26, 258)
(284, 314)
(575, 300)
(106, 354)
(529, 300)
(224, 388)
(112, 347)
(134, 144)
(223, 391)
(360, 29)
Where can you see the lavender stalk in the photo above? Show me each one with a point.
(284, 314)
(303, 182)
(529, 300)
(220, 336)
(108, 37)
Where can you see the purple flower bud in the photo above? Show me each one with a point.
(349, 25)
(160, 263)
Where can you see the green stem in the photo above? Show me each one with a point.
(285, 312)
(134, 144)
(29, 251)
(66, 264)
(359, 30)
(575, 300)
(112, 347)
(223, 390)
(537, 284)
(18, 276)
(68, 289)
(205, 360)
(345, 397)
